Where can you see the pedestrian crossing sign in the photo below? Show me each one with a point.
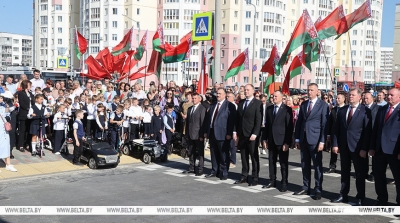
(337, 72)
(62, 62)
(203, 28)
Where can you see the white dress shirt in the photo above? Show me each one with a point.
(147, 117)
(37, 83)
(59, 124)
(135, 111)
(354, 110)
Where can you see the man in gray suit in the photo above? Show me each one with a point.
(194, 128)
(310, 137)
(369, 103)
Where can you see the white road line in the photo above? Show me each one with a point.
(175, 171)
(155, 166)
(259, 187)
(296, 169)
(395, 221)
(175, 174)
(208, 181)
(145, 168)
(246, 189)
(277, 165)
(296, 196)
(291, 199)
(194, 175)
(228, 181)
(332, 174)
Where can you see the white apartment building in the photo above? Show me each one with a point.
(15, 49)
(51, 27)
(386, 64)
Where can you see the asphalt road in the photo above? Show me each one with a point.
(162, 184)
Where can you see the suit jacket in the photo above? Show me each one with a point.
(332, 119)
(194, 122)
(386, 136)
(249, 122)
(278, 130)
(314, 126)
(357, 134)
(224, 121)
(374, 110)
(24, 104)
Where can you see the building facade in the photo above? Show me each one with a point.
(16, 50)
(396, 47)
(386, 65)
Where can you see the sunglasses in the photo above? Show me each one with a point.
(90, 82)
(325, 98)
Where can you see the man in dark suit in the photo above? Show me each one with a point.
(352, 137)
(340, 101)
(385, 146)
(218, 127)
(278, 134)
(310, 136)
(248, 126)
(194, 134)
(369, 103)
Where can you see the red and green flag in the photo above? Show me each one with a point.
(80, 44)
(296, 68)
(105, 58)
(179, 53)
(124, 45)
(239, 64)
(312, 50)
(155, 64)
(360, 15)
(271, 67)
(95, 69)
(141, 48)
(304, 32)
(334, 23)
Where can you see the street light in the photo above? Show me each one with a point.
(254, 39)
(137, 22)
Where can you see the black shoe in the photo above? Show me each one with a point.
(188, 171)
(360, 202)
(12, 156)
(198, 174)
(340, 199)
(392, 182)
(77, 163)
(210, 175)
(317, 196)
(241, 181)
(380, 203)
(331, 170)
(34, 154)
(43, 154)
(223, 178)
(269, 185)
(254, 183)
(371, 178)
(284, 188)
(302, 192)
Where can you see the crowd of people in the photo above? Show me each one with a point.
(354, 126)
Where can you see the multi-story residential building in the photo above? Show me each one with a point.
(15, 50)
(396, 47)
(386, 64)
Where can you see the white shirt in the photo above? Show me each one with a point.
(58, 123)
(37, 83)
(39, 106)
(370, 105)
(248, 101)
(354, 110)
(276, 108)
(75, 125)
(98, 120)
(135, 111)
(138, 94)
(212, 117)
(147, 117)
(11, 87)
(395, 106)
(263, 120)
(78, 92)
(126, 121)
(194, 108)
(91, 109)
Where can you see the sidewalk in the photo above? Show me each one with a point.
(28, 165)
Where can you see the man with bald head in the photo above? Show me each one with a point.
(385, 146)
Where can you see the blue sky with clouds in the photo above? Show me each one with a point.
(16, 17)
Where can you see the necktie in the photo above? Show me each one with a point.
(389, 113)
(310, 107)
(215, 115)
(245, 105)
(193, 109)
(275, 110)
(350, 115)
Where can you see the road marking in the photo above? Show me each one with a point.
(259, 187)
(246, 189)
(194, 175)
(296, 169)
(145, 168)
(175, 171)
(277, 165)
(338, 204)
(228, 181)
(291, 198)
(208, 181)
(332, 174)
(395, 221)
(175, 174)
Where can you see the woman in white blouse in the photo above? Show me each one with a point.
(138, 92)
(5, 137)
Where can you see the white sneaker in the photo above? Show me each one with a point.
(57, 153)
(11, 168)
(263, 152)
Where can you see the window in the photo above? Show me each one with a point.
(246, 80)
(15, 49)
(115, 11)
(59, 18)
(105, 24)
(114, 37)
(247, 28)
(235, 14)
(94, 49)
(105, 37)
(267, 43)
(59, 30)
(95, 13)
(355, 32)
(95, 38)
(248, 14)
(106, 11)
(235, 27)
(59, 41)
(223, 40)
(172, 39)
(171, 25)
(138, 11)
(43, 7)
(223, 28)
(188, 14)
(222, 53)
(223, 14)
(114, 24)
(172, 14)
(247, 41)
(43, 30)
(58, 7)
(234, 40)
(222, 66)
(95, 23)
(126, 11)
(354, 42)
(234, 53)
(43, 20)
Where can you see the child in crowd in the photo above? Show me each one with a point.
(147, 121)
(135, 112)
(61, 93)
(125, 125)
(157, 125)
(116, 120)
(91, 117)
(101, 120)
(115, 103)
(38, 90)
(68, 105)
(60, 100)
(37, 113)
(60, 120)
(79, 136)
(76, 105)
(169, 124)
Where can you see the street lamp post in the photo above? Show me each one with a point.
(71, 61)
(254, 40)
(137, 22)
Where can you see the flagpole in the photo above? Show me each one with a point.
(202, 67)
(351, 56)
(373, 44)
(145, 72)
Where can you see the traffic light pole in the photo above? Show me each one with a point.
(217, 39)
(203, 67)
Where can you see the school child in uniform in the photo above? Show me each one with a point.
(116, 120)
(115, 103)
(79, 137)
(125, 124)
(37, 113)
(68, 104)
(157, 125)
(135, 111)
(59, 121)
(101, 120)
(91, 117)
(147, 121)
(60, 100)
(83, 105)
(169, 126)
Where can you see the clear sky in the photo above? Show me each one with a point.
(16, 17)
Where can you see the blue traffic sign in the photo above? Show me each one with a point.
(254, 67)
(202, 26)
(346, 88)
